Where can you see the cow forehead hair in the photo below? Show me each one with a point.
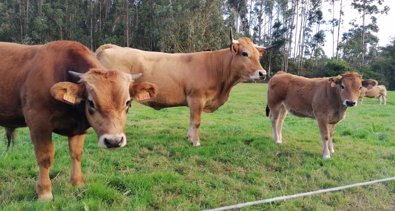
(112, 84)
(96, 74)
(245, 41)
(351, 75)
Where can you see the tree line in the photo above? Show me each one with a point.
(296, 27)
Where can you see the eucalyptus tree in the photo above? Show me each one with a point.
(368, 8)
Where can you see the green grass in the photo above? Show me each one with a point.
(237, 162)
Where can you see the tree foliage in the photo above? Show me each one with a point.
(296, 27)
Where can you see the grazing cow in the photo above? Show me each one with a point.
(324, 99)
(371, 89)
(200, 80)
(61, 87)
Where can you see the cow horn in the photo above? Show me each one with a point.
(270, 47)
(136, 76)
(74, 76)
(231, 37)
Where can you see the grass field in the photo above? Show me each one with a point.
(237, 162)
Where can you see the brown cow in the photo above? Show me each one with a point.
(371, 89)
(324, 99)
(199, 80)
(37, 90)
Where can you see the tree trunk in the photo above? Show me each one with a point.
(333, 28)
(127, 22)
(338, 29)
(296, 29)
(27, 18)
(91, 29)
(270, 42)
(363, 32)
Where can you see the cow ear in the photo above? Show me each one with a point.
(369, 82)
(365, 83)
(234, 47)
(143, 91)
(335, 80)
(67, 92)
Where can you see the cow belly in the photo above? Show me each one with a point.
(12, 122)
(159, 105)
(301, 113)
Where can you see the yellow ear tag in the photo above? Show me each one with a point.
(69, 98)
(143, 96)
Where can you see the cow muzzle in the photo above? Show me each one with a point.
(350, 103)
(259, 74)
(112, 140)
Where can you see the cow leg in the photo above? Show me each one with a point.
(274, 116)
(45, 153)
(382, 99)
(331, 133)
(196, 108)
(76, 144)
(280, 121)
(324, 128)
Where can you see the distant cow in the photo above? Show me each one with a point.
(61, 87)
(199, 80)
(324, 99)
(371, 89)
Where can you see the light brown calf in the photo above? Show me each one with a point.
(60, 87)
(201, 80)
(370, 89)
(324, 99)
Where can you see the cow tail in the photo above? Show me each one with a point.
(10, 135)
(100, 49)
(267, 110)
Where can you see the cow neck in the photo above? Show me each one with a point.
(83, 123)
(225, 76)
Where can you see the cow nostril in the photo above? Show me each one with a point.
(262, 74)
(350, 103)
(107, 142)
(119, 141)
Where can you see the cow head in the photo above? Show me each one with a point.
(349, 85)
(369, 83)
(107, 97)
(246, 58)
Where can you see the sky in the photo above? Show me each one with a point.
(385, 23)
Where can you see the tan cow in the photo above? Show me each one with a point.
(199, 80)
(60, 87)
(372, 90)
(324, 99)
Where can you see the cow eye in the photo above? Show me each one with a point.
(342, 86)
(244, 54)
(360, 87)
(128, 103)
(91, 104)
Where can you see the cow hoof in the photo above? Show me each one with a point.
(77, 181)
(196, 144)
(325, 157)
(279, 142)
(332, 151)
(45, 197)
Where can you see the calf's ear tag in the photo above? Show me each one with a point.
(143, 96)
(69, 98)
